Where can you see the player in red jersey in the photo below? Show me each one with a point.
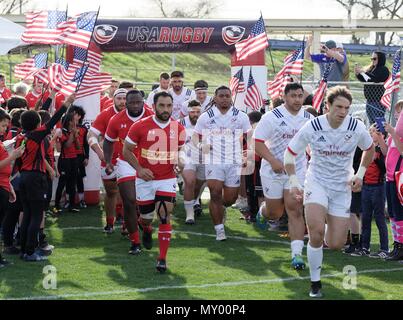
(116, 133)
(151, 147)
(107, 99)
(98, 130)
(38, 93)
(5, 93)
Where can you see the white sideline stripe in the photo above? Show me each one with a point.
(187, 232)
(201, 286)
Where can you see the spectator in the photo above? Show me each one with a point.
(377, 72)
(16, 102)
(5, 93)
(329, 53)
(21, 89)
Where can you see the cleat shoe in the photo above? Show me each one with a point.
(316, 287)
(397, 253)
(73, 209)
(35, 257)
(108, 229)
(56, 210)
(261, 221)
(190, 221)
(221, 235)
(11, 250)
(381, 254)
(83, 205)
(135, 249)
(298, 262)
(197, 210)
(360, 253)
(147, 239)
(124, 232)
(4, 262)
(351, 249)
(161, 266)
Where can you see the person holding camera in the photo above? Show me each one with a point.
(376, 72)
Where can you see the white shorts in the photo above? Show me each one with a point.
(230, 174)
(147, 190)
(337, 202)
(105, 176)
(274, 185)
(124, 171)
(200, 170)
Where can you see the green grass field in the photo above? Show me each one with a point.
(251, 264)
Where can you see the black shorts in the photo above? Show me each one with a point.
(355, 206)
(33, 186)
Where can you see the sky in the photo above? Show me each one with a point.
(231, 9)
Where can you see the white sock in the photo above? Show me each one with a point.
(190, 214)
(81, 196)
(315, 259)
(218, 227)
(296, 247)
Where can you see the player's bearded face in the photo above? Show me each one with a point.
(294, 99)
(223, 99)
(194, 114)
(177, 84)
(120, 102)
(163, 108)
(134, 105)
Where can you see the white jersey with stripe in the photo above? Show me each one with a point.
(191, 151)
(332, 150)
(150, 98)
(276, 129)
(179, 100)
(224, 132)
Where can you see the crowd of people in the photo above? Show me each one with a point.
(288, 160)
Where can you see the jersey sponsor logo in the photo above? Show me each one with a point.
(289, 135)
(321, 139)
(212, 121)
(283, 124)
(172, 35)
(232, 34)
(123, 125)
(157, 155)
(104, 33)
(308, 195)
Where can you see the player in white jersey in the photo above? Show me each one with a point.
(222, 129)
(164, 86)
(329, 181)
(201, 89)
(179, 93)
(193, 172)
(272, 135)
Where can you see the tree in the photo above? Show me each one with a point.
(201, 9)
(377, 9)
(12, 6)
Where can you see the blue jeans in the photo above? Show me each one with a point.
(374, 110)
(373, 203)
(395, 209)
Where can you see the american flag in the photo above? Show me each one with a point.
(29, 66)
(393, 83)
(60, 74)
(94, 83)
(71, 85)
(93, 58)
(41, 27)
(293, 65)
(256, 41)
(237, 83)
(320, 92)
(253, 96)
(77, 31)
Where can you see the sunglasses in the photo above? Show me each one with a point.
(374, 59)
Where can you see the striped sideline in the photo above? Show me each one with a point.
(200, 286)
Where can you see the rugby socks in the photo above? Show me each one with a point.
(135, 237)
(315, 259)
(190, 214)
(296, 247)
(164, 238)
(110, 221)
(399, 231)
(355, 239)
(394, 230)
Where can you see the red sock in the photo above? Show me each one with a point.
(110, 221)
(164, 237)
(119, 210)
(134, 237)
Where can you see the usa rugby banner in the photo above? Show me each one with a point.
(138, 35)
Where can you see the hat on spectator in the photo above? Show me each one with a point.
(331, 44)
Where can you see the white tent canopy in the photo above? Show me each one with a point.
(10, 35)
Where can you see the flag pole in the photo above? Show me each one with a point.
(236, 91)
(303, 57)
(86, 54)
(391, 120)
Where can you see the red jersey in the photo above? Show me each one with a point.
(33, 97)
(5, 172)
(82, 140)
(5, 95)
(67, 152)
(100, 125)
(158, 145)
(105, 103)
(375, 173)
(118, 128)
